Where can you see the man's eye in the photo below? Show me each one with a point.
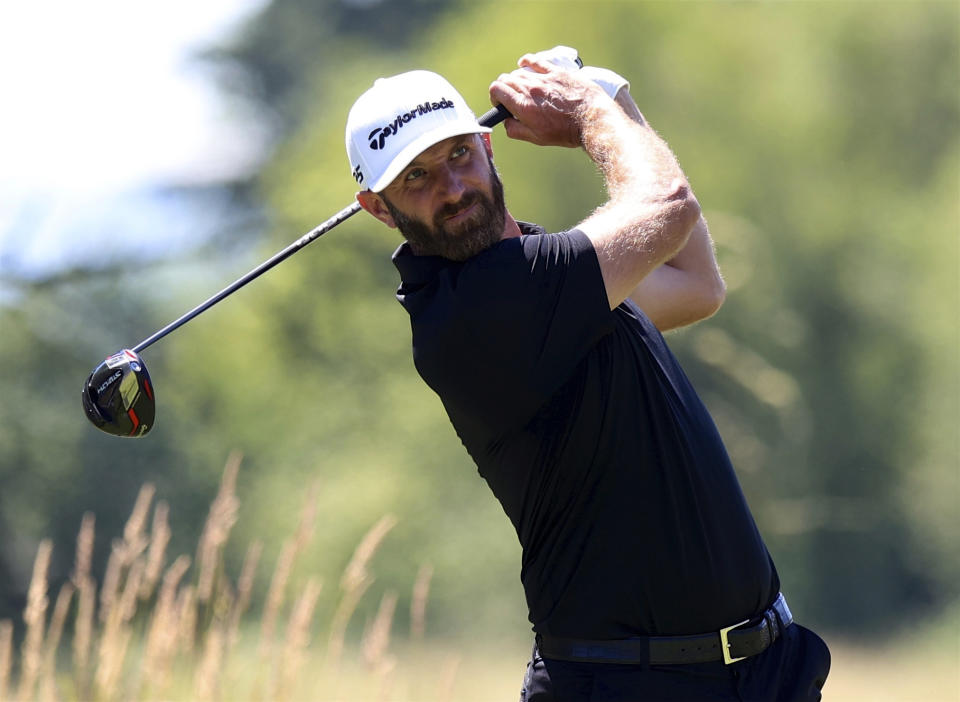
(415, 173)
(459, 151)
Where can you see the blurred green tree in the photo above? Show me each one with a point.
(822, 141)
(789, 128)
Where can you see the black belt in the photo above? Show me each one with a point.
(730, 644)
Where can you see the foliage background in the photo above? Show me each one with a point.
(822, 141)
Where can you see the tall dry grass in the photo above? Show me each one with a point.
(178, 628)
(158, 628)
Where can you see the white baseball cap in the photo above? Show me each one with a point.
(400, 117)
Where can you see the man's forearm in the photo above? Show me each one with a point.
(651, 209)
(688, 287)
(636, 163)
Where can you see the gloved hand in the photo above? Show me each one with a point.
(611, 82)
(563, 57)
(566, 58)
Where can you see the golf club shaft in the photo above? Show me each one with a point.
(310, 236)
(489, 119)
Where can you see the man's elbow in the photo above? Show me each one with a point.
(683, 210)
(712, 294)
(703, 300)
(683, 193)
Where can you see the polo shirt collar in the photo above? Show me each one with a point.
(420, 270)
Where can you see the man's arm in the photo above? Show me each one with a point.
(688, 287)
(651, 210)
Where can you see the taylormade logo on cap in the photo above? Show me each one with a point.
(380, 134)
(397, 119)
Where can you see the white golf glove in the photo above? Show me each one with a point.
(611, 82)
(566, 57)
(563, 57)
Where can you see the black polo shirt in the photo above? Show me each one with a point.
(590, 435)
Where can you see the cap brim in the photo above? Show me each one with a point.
(422, 143)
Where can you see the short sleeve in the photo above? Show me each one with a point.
(515, 323)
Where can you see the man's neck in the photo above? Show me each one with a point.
(510, 227)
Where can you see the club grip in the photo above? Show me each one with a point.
(494, 116)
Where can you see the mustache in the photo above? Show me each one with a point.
(451, 209)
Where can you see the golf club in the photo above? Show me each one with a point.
(118, 396)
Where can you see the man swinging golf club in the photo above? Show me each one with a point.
(644, 572)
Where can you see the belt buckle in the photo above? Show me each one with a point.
(725, 643)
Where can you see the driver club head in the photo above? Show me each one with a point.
(118, 396)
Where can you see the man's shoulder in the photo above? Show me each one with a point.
(535, 245)
(534, 270)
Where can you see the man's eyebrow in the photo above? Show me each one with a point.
(458, 140)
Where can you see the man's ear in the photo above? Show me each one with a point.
(374, 204)
(488, 143)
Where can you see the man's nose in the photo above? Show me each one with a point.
(450, 185)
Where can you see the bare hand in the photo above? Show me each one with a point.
(547, 104)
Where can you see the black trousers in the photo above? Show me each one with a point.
(793, 669)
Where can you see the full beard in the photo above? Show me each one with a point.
(457, 242)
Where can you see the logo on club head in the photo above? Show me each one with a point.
(358, 175)
(135, 366)
(108, 382)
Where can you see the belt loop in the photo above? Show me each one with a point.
(773, 624)
(782, 610)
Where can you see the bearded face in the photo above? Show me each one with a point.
(458, 241)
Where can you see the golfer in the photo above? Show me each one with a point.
(644, 572)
